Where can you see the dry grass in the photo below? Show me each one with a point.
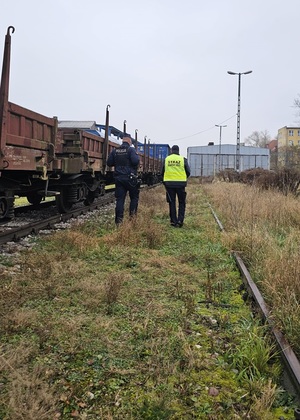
(240, 204)
(136, 232)
(264, 403)
(264, 226)
(141, 231)
(29, 395)
(112, 288)
(74, 240)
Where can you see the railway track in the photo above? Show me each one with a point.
(11, 233)
(33, 227)
(290, 360)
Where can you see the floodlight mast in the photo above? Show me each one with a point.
(238, 141)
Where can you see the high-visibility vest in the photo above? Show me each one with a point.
(174, 169)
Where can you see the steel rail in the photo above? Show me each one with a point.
(33, 228)
(14, 235)
(288, 356)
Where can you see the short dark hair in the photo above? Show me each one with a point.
(175, 148)
(126, 135)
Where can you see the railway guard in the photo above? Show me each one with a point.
(175, 172)
(126, 162)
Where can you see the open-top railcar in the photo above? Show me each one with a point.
(39, 159)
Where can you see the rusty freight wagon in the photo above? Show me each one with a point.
(38, 158)
(151, 162)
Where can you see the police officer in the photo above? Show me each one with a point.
(126, 162)
(175, 172)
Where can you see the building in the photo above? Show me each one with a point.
(80, 125)
(288, 136)
(273, 146)
(211, 159)
(289, 147)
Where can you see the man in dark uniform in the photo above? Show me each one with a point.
(175, 172)
(126, 162)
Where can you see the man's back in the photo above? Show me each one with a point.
(124, 159)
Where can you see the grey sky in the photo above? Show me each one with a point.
(161, 64)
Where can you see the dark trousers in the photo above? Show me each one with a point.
(171, 198)
(122, 187)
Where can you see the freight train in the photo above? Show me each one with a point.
(40, 157)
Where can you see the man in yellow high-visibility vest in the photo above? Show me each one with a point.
(175, 172)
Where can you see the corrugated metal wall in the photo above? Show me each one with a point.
(207, 160)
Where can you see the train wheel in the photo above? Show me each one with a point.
(62, 201)
(90, 198)
(6, 209)
(34, 198)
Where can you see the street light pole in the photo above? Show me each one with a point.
(220, 142)
(238, 142)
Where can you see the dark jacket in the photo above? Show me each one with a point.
(125, 160)
(174, 184)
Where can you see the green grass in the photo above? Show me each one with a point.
(22, 201)
(140, 322)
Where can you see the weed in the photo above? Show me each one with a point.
(255, 358)
(112, 288)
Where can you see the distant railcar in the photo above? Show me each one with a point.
(158, 150)
(152, 157)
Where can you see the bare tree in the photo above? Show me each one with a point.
(297, 106)
(258, 138)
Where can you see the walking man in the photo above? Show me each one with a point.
(126, 162)
(175, 172)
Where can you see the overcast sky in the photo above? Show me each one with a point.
(160, 64)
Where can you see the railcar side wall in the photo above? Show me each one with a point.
(28, 140)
